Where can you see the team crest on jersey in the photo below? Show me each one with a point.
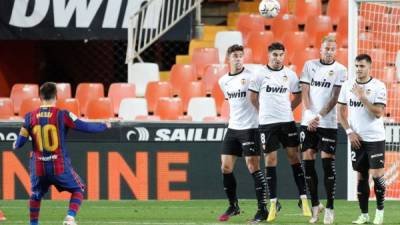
(331, 73)
(368, 91)
(285, 78)
(243, 81)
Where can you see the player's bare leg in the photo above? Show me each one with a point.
(379, 188)
(328, 164)
(260, 185)
(298, 175)
(227, 165)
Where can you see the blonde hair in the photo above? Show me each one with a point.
(328, 38)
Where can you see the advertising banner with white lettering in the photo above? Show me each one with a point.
(142, 161)
(78, 19)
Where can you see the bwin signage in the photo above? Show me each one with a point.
(30, 13)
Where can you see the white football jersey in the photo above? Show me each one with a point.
(322, 78)
(364, 123)
(274, 88)
(243, 115)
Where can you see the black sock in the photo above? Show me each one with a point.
(329, 180)
(270, 173)
(363, 192)
(298, 175)
(379, 191)
(230, 188)
(261, 189)
(312, 181)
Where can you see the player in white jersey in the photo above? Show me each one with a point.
(241, 137)
(270, 93)
(365, 98)
(321, 81)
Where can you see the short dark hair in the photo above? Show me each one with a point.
(48, 91)
(365, 57)
(234, 48)
(276, 46)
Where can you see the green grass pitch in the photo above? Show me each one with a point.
(177, 212)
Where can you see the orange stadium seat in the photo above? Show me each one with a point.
(6, 108)
(218, 97)
(378, 56)
(387, 74)
(284, 6)
(385, 22)
(248, 23)
(147, 118)
(86, 92)
(393, 103)
(305, 9)
(247, 56)
(366, 40)
(258, 42)
(390, 42)
(156, 90)
(194, 43)
(341, 56)
(101, 108)
(19, 92)
(343, 26)
(168, 108)
(342, 41)
(29, 105)
(63, 90)
(318, 26)
(119, 91)
(337, 9)
(181, 74)
(70, 104)
(212, 74)
(300, 57)
(202, 57)
(192, 89)
(209, 32)
(283, 24)
(294, 42)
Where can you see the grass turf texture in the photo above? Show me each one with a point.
(178, 212)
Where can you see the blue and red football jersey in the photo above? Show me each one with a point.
(48, 127)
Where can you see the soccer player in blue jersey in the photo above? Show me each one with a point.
(50, 163)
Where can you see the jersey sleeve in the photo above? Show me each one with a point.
(294, 84)
(72, 121)
(221, 87)
(380, 96)
(342, 96)
(23, 135)
(255, 83)
(305, 74)
(341, 78)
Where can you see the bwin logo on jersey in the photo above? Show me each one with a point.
(238, 94)
(141, 133)
(323, 83)
(356, 103)
(280, 89)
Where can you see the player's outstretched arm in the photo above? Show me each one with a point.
(296, 100)
(72, 121)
